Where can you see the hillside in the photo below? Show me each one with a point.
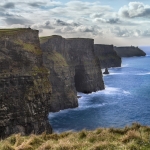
(135, 137)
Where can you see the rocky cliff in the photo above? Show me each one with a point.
(25, 89)
(73, 67)
(129, 51)
(107, 56)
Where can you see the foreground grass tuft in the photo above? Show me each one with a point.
(136, 137)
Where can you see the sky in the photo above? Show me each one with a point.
(117, 22)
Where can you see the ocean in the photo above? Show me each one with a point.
(125, 100)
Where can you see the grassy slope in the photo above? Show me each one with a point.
(136, 137)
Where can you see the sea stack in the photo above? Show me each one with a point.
(106, 71)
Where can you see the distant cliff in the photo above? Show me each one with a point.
(25, 89)
(129, 51)
(107, 56)
(73, 67)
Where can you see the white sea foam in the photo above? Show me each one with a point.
(114, 73)
(91, 106)
(126, 92)
(147, 73)
(125, 65)
(108, 90)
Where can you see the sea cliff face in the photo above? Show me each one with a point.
(61, 75)
(25, 89)
(34, 82)
(129, 51)
(107, 56)
(73, 67)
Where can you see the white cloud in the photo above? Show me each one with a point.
(77, 18)
(135, 9)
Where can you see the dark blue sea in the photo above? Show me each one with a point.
(125, 100)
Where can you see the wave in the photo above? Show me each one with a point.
(125, 65)
(85, 100)
(126, 92)
(113, 73)
(147, 73)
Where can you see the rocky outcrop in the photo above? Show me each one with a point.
(129, 51)
(106, 71)
(25, 89)
(73, 67)
(107, 56)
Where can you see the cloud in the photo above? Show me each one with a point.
(135, 9)
(119, 32)
(9, 5)
(124, 32)
(94, 30)
(96, 15)
(45, 25)
(36, 4)
(15, 19)
(59, 22)
(109, 21)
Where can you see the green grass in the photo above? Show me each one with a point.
(30, 47)
(46, 38)
(57, 59)
(136, 137)
(11, 31)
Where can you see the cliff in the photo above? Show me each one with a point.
(107, 56)
(73, 67)
(129, 51)
(25, 89)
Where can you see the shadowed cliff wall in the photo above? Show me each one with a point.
(129, 51)
(107, 56)
(73, 67)
(24, 85)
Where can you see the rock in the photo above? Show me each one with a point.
(106, 71)
(107, 56)
(129, 51)
(25, 89)
(79, 96)
(73, 68)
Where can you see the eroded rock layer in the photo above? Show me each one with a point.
(25, 89)
(73, 67)
(107, 56)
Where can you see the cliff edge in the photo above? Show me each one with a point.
(25, 89)
(107, 56)
(129, 51)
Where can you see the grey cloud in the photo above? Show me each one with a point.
(117, 31)
(12, 19)
(121, 32)
(109, 21)
(9, 5)
(96, 15)
(36, 4)
(44, 25)
(59, 22)
(94, 30)
(135, 9)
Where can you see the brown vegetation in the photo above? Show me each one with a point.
(136, 137)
